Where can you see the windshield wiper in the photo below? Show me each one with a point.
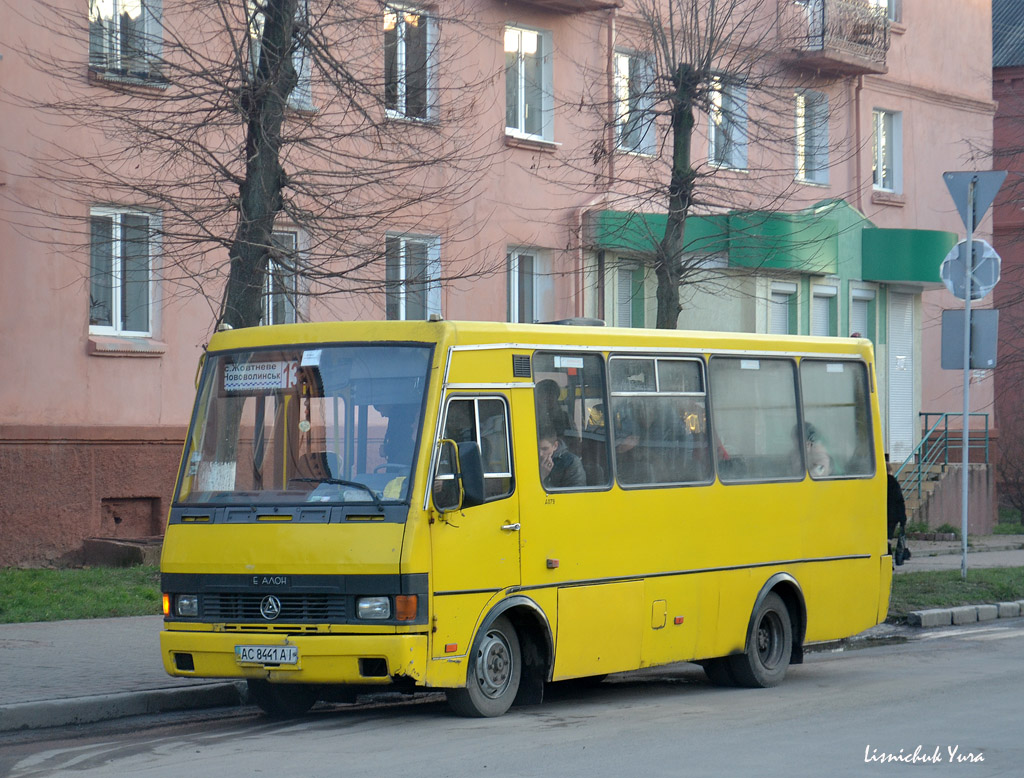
(343, 482)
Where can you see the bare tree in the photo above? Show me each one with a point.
(233, 118)
(715, 58)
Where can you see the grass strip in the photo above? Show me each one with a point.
(78, 593)
(945, 589)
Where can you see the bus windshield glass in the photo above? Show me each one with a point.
(306, 424)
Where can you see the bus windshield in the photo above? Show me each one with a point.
(306, 424)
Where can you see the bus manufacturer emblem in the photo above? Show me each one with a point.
(270, 607)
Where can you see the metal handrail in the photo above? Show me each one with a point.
(934, 448)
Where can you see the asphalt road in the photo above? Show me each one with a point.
(951, 696)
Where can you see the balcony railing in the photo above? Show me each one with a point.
(842, 37)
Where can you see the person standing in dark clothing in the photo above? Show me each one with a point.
(896, 511)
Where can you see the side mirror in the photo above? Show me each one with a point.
(471, 467)
(459, 478)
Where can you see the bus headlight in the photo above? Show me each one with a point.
(373, 607)
(186, 605)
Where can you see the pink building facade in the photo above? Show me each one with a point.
(98, 387)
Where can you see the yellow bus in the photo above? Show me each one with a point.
(483, 508)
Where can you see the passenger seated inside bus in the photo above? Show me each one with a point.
(819, 463)
(559, 467)
(551, 413)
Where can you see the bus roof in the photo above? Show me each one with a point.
(466, 333)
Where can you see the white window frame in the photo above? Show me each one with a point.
(811, 114)
(727, 128)
(399, 284)
(399, 18)
(634, 104)
(106, 37)
(301, 96)
(281, 281)
(117, 271)
(887, 151)
(519, 43)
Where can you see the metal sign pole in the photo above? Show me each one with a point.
(965, 435)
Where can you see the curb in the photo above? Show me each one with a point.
(965, 614)
(104, 707)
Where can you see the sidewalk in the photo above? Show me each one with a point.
(75, 672)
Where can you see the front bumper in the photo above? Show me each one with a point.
(323, 659)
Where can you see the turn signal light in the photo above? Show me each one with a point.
(167, 604)
(405, 607)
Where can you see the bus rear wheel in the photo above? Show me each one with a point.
(495, 668)
(282, 700)
(770, 647)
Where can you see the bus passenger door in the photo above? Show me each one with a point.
(475, 550)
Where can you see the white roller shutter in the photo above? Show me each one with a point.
(901, 376)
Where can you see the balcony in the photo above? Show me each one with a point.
(834, 37)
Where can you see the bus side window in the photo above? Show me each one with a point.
(754, 413)
(659, 413)
(837, 415)
(570, 401)
(485, 421)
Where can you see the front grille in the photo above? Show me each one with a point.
(294, 607)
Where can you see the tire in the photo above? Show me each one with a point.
(769, 649)
(719, 672)
(282, 700)
(495, 668)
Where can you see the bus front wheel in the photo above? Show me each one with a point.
(770, 646)
(282, 700)
(495, 668)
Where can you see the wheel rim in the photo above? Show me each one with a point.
(770, 640)
(494, 665)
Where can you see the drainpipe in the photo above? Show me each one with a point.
(857, 154)
(610, 176)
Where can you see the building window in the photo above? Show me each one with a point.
(812, 137)
(121, 273)
(407, 44)
(728, 133)
(782, 310)
(523, 286)
(629, 297)
(412, 277)
(893, 9)
(634, 104)
(301, 96)
(125, 37)
(862, 314)
(528, 101)
(823, 311)
(281, 290)
(887, 142)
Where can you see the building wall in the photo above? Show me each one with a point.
(91, 426)
(1008, 240)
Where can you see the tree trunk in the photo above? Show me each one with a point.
(668, 262)
(264, 102)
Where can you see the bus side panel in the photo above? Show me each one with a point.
(671, 634)
(599, 629)
(841, 597)
(456, 617)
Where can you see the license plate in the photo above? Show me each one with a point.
(267, 655)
